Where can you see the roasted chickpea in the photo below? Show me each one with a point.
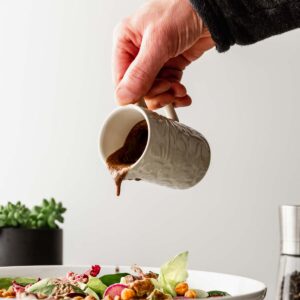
(117, 298)
(181, 288)
(8, 294)
(78, 298)
(127, 294)
(190, 294)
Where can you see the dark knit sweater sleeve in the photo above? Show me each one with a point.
(245, 22)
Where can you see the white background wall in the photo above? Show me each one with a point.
(56, 90)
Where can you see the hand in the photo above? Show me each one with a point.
(151, 50)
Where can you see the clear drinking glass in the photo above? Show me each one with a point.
(289, 268)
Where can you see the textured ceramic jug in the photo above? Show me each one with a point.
(176, 155)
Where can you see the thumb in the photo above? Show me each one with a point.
(141, 73)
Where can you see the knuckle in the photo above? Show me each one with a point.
(139, 73)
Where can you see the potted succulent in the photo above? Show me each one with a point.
(31, 236)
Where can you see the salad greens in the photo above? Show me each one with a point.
(170, 283)
(217, 294)
(97, 285)
(173, 272)
(45, 290)
(110, 279)
(6, 282)
(25, 280)
(45, 284)
(91, 292)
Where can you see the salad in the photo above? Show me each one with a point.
(170, 283)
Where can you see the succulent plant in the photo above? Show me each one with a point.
(14, 215)
(47, 215)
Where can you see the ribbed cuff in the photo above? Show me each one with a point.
(246, 22)
(216, 23)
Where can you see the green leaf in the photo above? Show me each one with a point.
(5, 282)
(40, 285)
(91, 292)
(217, 294)
(173, 272)
(25, 280)
(47, 290)
(77, 289)
(96, 285)
(110, 279)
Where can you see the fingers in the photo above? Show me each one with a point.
(159, 100)
(178, 89)
(124, 50)
(178, 62)
(141, 68)
(122, 58)
(182, 102)
(165, 92)
(160, 86)
(167, 98)
(170, 74)
(141, 73)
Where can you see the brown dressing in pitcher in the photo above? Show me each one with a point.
(120, 161)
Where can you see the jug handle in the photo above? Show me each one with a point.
(169, 110)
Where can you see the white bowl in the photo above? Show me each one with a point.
(240, 288)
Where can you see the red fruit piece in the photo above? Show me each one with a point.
(18, 288)
(114, 290)
(93, 271)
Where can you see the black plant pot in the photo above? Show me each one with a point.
(21, 247)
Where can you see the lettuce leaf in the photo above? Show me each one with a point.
(5, 282)
(47, 290)
(91, 292)
(47, 286)
(40, 285)
(25, 280)
(173, 272)
(217, 294)
(110, 279)
(96, 285)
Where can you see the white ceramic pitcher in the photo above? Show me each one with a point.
(176, 155)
